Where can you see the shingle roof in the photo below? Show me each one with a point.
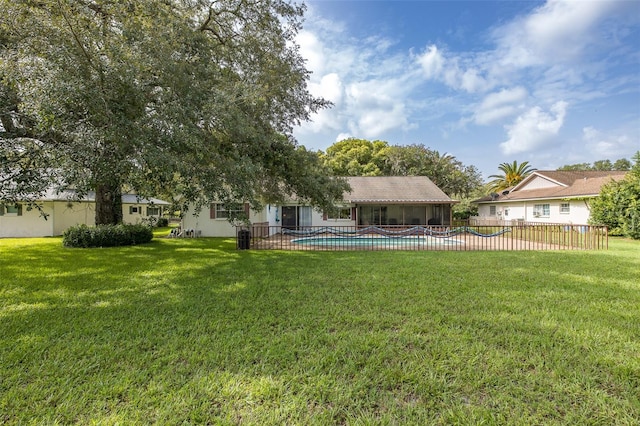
(70, 195)
(567, 184)
(395, 189)
(575, 177)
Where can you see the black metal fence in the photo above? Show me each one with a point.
(458, 238)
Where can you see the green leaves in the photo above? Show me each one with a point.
(182, 100)
(513, 174)
(360, 157)
(618, 205)
(356, 157)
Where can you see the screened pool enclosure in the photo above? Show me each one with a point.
(403, 214)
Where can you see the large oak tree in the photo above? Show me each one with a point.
(189, 97)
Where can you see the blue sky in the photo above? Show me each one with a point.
(488, 82)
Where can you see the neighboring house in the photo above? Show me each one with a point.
(64, 211)
(546, 197)
(373, 200)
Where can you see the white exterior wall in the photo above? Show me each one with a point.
(504, 211)
(61, 215)
(133, 218)
(29, 224)
(539, 182)
(67, 214)
(334, 222)
(271, 214)
(219, 227)
(317, 219)
(578, 211)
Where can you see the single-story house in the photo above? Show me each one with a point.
(546, 197)
(373, 200)
(63, 210)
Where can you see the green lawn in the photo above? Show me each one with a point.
(193, 331)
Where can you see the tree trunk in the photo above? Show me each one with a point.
(108, 204)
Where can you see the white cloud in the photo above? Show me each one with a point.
(499, 105)
(471, 80)
(330, 88)
(559, 50)
(534, 129)
(312, 50)
(431, 62)
(455, 71)
(555, 36)
(374, 123)
(608, 146)
(367, 86)
(377, 106)
(343, 136)
(558, 31)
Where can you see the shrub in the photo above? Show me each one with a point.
(155, 222)
(618, 206)
(106, 235)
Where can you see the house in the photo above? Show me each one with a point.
(373, 200)
(63, 210)
(546, 197)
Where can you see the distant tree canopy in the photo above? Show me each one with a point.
(618, 206)
(196, 99)
(356, 157)
(621, 164)
(360, 157)
(512, 174)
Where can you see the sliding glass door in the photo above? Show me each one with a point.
(296, 217)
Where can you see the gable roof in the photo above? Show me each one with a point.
(395, 189)
(541, 185)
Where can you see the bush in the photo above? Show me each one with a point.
(618, 206)
(155, 222)
(106, 235)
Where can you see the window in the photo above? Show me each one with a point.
(153, 211)
(541, 210)
(220, 212)
(343, 213)
(10, 209)
(492, 210)
(135, 210)
(565, 208)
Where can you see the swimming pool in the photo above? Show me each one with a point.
(375, 241)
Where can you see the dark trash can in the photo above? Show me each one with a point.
(244, 239)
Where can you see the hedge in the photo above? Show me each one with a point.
(106, 235)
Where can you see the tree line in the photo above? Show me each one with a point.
(361, 157)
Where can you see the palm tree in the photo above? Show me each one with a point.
(513, 174)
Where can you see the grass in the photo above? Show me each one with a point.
(193, 331)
